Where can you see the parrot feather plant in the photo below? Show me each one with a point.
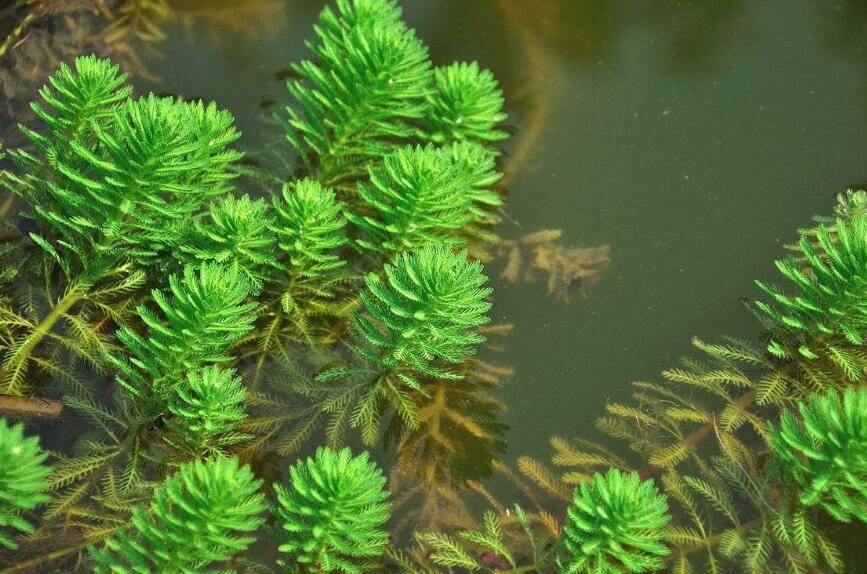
(110, 184)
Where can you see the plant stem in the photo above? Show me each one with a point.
(700, 434)
(30, 407)
(14, 364)
(28, 565)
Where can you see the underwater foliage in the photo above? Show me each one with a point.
(488, 549)
(459, 435)
(420, 319)
(158, 160)
(206, 410)
(310, 284)
(827, 318)
(204, 513)
(824, 452)
(425, 308)
(23, 480)
(137, 285)
(332, 513)
(353, 297)
(565, 269)
(616, 524)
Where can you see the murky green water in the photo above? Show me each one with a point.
(693, 138)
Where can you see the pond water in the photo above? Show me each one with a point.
(691, 137)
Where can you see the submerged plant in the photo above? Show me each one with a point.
(207, 409)
(208, 311)
(486, 549)
(205, 513)
(332, 513)
(824, 453)
(420, 320)
(310, 284)
(616, 525)
(23, 480)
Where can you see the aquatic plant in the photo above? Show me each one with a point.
(756, 530)
(235, 233)
(483, 550)
(419, 320)
(367, 82)
(23, 480)
(169, 389)
(479, 164)
(310, 230)
(616, 524)
(824, 452)
(415, 196)
(206, 410)
(459, 435)
(202, 514)
(565, 269)
(112, 183)
(827, 318)
(466, 104)
(332, 513)
(208, 312)
(121, 191)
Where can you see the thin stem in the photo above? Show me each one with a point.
(700, 434)
(30, 407)
(11, 370)
(29, 565)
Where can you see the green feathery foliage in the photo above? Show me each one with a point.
(311, 231)
(207, 313)
(423, 310)
(332, 513)
(201, 515)
(235, 233)
(466, 104)
(310, 228)
(479, 164)
(111, 185)
(756, 531)
(415, 196)
(173, 402)
(76, 98)
(616, 525)
(827, 318)
(151, 164)
(368, 81)
(206, 410)
(825, 452)
(22, 480)
(418, 322)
